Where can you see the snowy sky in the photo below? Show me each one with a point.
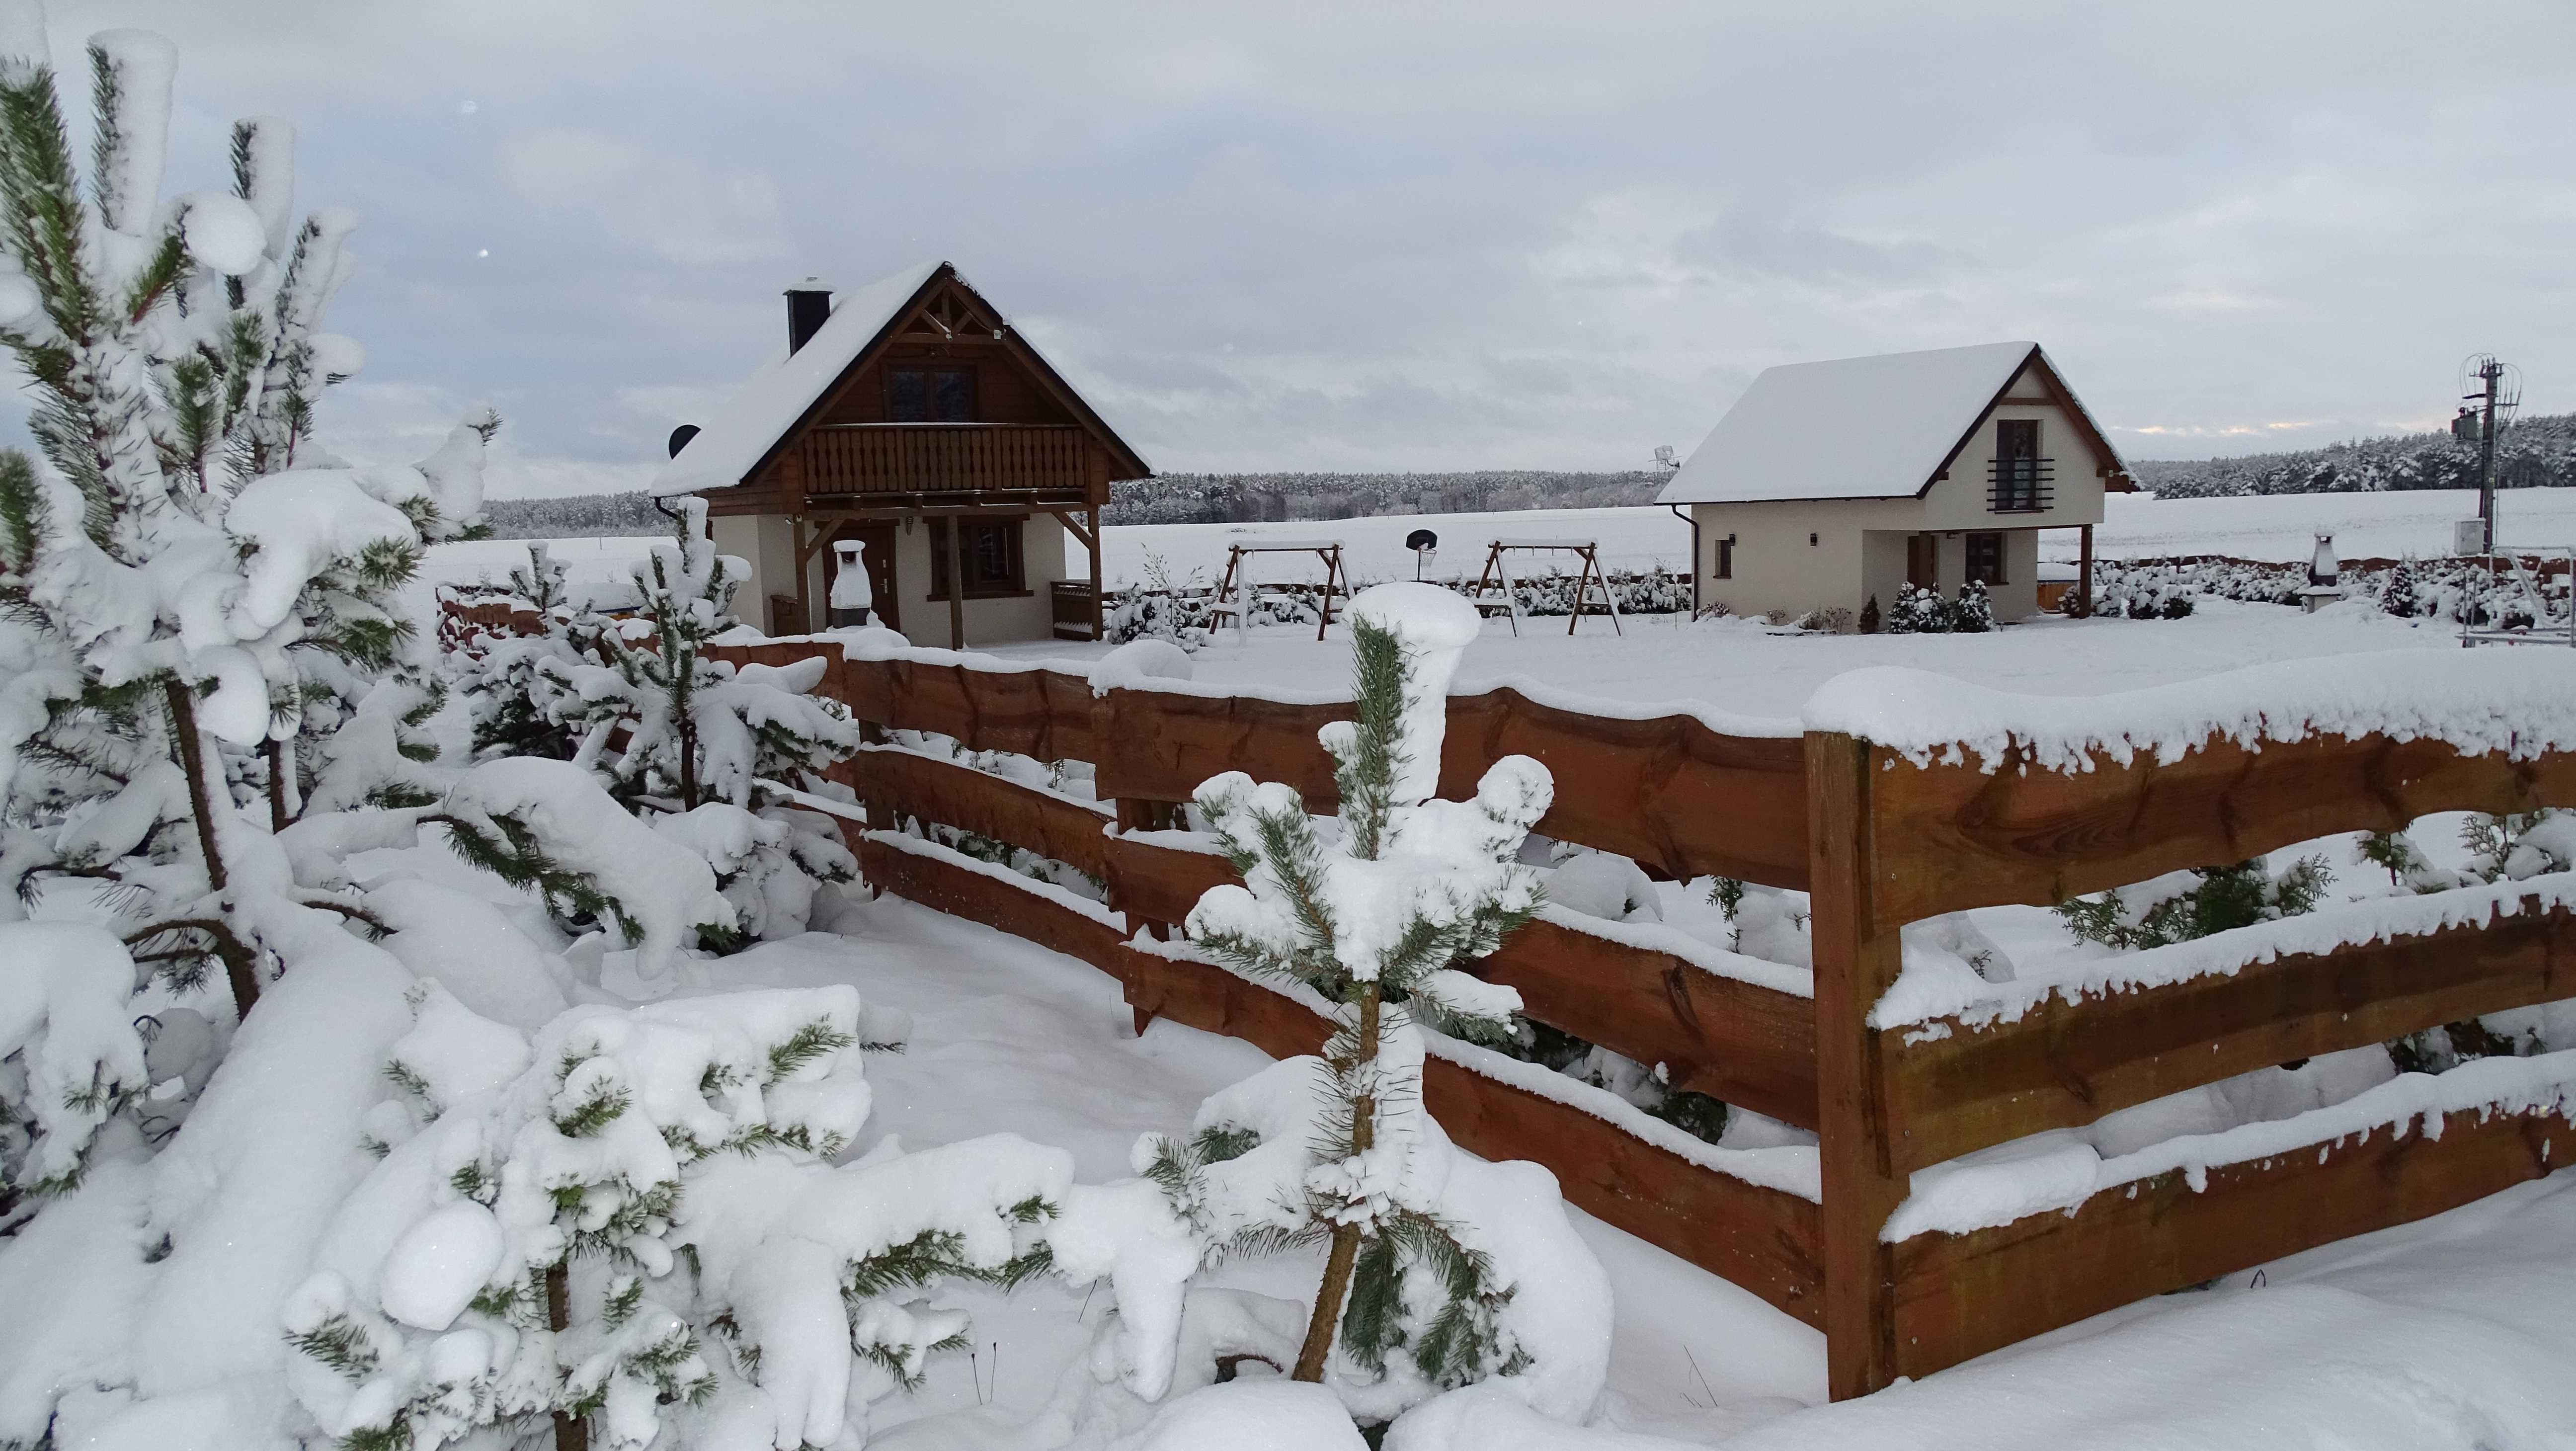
(1418, 236)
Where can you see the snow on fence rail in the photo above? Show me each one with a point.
(1906, 1271)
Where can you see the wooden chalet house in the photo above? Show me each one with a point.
(911, 418)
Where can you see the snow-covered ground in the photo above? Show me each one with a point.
(2448, 1332)
(2281, 527)
(1740, 667)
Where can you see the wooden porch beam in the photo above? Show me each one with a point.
(1073, 525)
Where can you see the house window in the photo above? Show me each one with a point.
(1725, 567)
(994, 565)
(1986, 559)
(930, 395)
(2019, 476)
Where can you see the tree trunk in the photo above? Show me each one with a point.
(279, 818)
(682, 662)
(571, 1433)
(241, 967)
(1346, 1237)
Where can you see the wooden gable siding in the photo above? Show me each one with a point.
(1010, 388)
(1005, 390)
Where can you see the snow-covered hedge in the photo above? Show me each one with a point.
(2428, 589)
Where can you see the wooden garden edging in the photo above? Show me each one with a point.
(1880, 839)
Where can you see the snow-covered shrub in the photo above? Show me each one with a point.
(2181, 906)
(1440, 1269)
(1771, 923)
(71, 1056)
(1159, 610)
(550, 828)
(1972, 613)
(2519, 845)
(2141, 592)
(629, 1220)
(1920, 611)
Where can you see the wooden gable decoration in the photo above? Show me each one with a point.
(1026, 430)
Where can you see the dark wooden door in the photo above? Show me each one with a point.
(1922, 560)
(879, 558)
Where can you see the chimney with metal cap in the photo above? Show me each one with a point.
(809, 306)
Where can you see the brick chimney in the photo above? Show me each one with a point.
(809, 306)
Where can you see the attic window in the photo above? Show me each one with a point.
(930, 395)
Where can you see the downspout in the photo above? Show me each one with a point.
(1693, 521)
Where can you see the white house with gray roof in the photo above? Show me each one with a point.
(1831, 484)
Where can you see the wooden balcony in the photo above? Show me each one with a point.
(945, 458)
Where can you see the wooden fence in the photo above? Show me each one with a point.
(1879, 840)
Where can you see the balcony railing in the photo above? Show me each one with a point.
(2020, 485)
(943, 458)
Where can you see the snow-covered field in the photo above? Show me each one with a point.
(1741, 668)
(2280, 527)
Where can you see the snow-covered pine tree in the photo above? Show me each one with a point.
(1374, 915)
(628, 1223)
(2397, 594)
(172, 582)
(516, 706)
(2518, 845)
(1972, 613)
(1920, 611)
(703, 734)
(2198, 903)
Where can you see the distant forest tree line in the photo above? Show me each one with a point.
(2532, 453)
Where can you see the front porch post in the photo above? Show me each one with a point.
(2084, 575)
(1099, 629)
(957, 580)
(803, 624)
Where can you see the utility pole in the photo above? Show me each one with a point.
(2488, 372)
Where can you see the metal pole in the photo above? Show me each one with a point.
(2491, 371)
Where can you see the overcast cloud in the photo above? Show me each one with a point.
(1401, 237)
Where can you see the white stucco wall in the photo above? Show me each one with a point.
(988, 621)
(767, 542)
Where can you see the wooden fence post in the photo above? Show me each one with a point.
(1138, 814)
(1855, 962)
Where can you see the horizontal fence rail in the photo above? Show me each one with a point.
(1900, 839)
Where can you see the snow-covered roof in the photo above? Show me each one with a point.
(781, 393)
(1851, 428)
